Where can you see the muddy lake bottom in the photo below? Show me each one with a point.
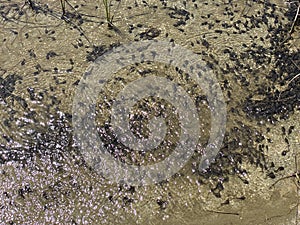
(46, 56)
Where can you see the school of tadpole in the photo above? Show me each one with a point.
(46, 47)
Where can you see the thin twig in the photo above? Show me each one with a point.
(63, 17)
(288, 84)
(293, 24)
(295, 18)
(220, 212)
(298, 188)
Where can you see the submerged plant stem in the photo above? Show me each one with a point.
(63, 6)
(107, 7)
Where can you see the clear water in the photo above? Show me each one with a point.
(47, 176)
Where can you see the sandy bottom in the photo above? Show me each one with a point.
(45, 180)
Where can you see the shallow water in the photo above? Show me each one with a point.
(44, 173)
